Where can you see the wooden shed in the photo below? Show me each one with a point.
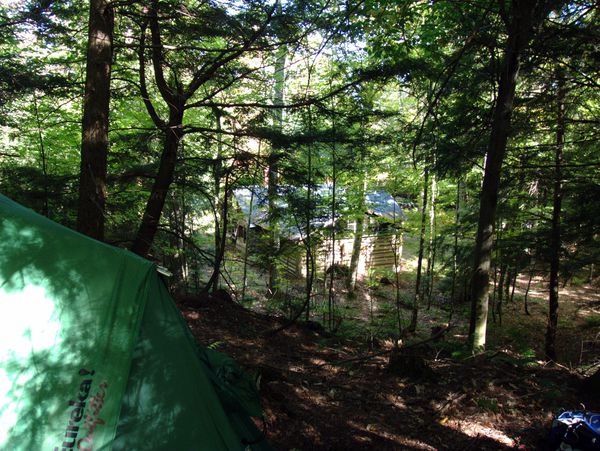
(379, 236)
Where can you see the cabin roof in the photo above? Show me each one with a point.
(378, 203)
(382, 204)
(257, 197)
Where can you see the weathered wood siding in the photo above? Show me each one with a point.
(376, 252)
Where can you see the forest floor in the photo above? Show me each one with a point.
(319, 393)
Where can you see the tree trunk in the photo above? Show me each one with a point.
(397, 246)
(522, 19)
(358, 235)
(273, 160)
(555, 238)
(507, 282)
(431, 248)
(527, 292)
(217, 203)
(45, 208)
(331, 292)
(94, 144)
(219, 256)
(310, 259)
(248, 225)
(514, 285)
(418, 292)
(455, 251)
(162, 182)
(500, 293)
(246, 248)
(174, 260)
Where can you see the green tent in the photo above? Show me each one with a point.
(95, 355)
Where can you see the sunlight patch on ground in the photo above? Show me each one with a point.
(192, 315)
(396, 401)
(473, 429)
(373, 429)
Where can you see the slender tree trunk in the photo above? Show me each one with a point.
(248, 224)
(45, 210)
(162, 183)
(431, 247)
(555, 237)
(274, 239)
(418, 291)
(455, 251)
(500, 291)
(507, 282)
(527, 292)
(310, 259)
(397, 246)
(522, 20)
(495, 290)
(174, 260)
(513, 285)
(246, 249)
(358, 235)
(310, 252)
(211, 284)
(331, 296)
(184, 269)
(273, 169)
(94, 144)
(217, 203)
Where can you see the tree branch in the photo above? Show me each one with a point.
(142, 86)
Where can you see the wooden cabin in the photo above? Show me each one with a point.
(380, 243)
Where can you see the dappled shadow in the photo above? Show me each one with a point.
(71, 316)
(171, 402)
(67, 309)
(332, 410)
(497, 401)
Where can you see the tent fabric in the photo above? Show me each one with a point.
(95, 355)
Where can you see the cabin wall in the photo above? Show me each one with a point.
(290, 261)
(376, 253)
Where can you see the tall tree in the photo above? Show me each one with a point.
(555, 238)
(273, 162)
(179, 79)
(418, 299)
(94, 144)
(523, 17)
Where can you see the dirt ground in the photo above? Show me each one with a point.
(315, 397)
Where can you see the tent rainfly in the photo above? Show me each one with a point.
(95, 355)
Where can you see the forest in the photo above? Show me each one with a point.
(387, 210)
